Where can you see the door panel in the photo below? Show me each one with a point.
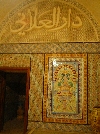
(2, 98)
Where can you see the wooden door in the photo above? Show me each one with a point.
(2, 97)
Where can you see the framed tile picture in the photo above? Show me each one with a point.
(65, 88)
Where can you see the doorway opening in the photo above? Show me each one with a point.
(16, 95)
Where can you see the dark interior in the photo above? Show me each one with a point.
(14, 94)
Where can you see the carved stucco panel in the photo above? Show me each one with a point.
(49, 21)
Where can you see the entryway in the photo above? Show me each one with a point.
(14, 92)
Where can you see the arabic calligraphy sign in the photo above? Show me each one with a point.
(54, 24)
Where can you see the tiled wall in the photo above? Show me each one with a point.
(36, 88)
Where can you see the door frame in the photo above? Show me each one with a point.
(2, 98)
(27, 71)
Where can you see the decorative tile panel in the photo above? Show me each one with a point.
(50, 48)
(14, 60)
(93, 82)
(65, 88)
(36, 87)
(59, 127)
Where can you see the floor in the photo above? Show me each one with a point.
(14, 126)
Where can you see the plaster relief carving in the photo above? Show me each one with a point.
(35, 22)
(49, 21)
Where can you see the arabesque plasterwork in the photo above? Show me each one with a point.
(49, 21)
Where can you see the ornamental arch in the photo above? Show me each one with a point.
(40, 21)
